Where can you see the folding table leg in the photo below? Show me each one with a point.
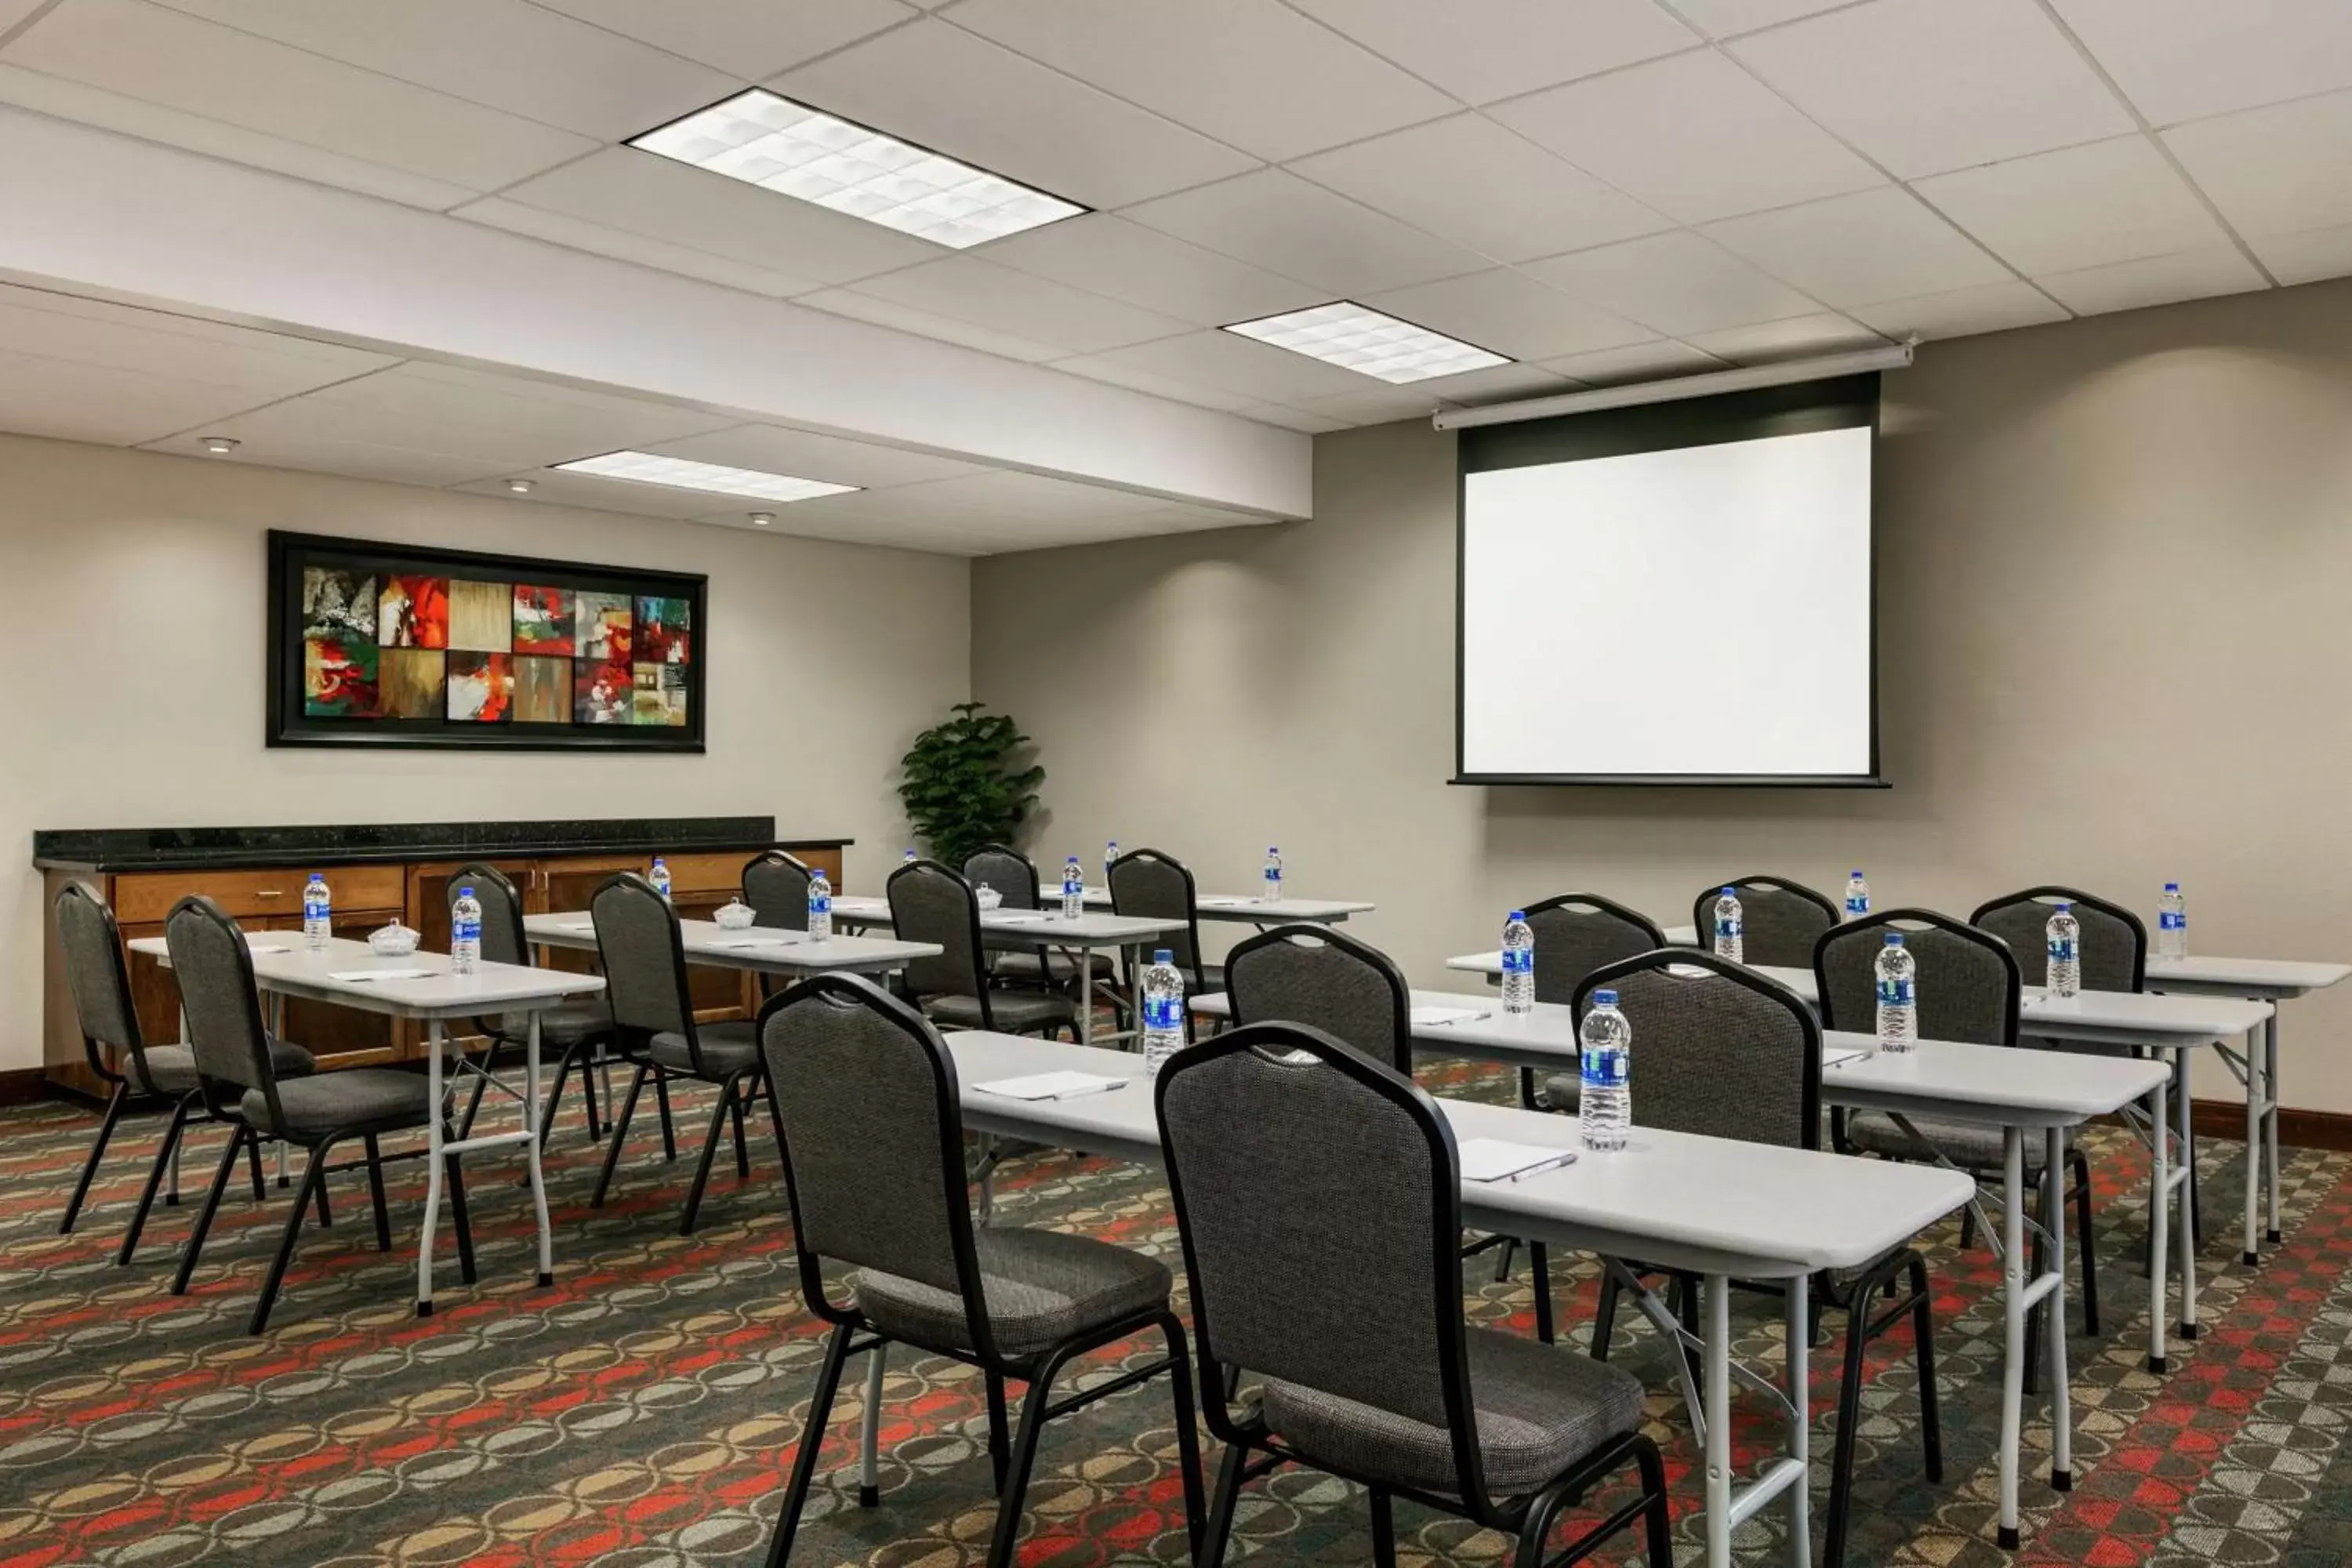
(1718, 1394)
(531, 1111)
(2185, 1218)
(2255, 1079)
(433, 1163)
(2013, 1363)
(2159, 1227)
(2271, 1120)
(1798, 1335)
(2062, 1410)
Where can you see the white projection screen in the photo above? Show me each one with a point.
(1672, 593)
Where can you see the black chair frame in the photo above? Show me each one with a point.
(2087, 901)
(783, 861)
(1011, 1456)
(1196, 982)
(579, 1056)
(1400, 1056)
(1252, 1450)
(980, 979)
(1703, 906)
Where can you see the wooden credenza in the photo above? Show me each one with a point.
(374, 882)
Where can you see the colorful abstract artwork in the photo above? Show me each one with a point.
(339, 603)
(600, 691)
(659, 694)
(481, 688)
(542, 620)
(603, 624)
(413, 612)
(410, 682)
(338, 677)
(481, 616)
(542, 689)
(663, 634)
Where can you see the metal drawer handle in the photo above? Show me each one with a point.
(270, 893)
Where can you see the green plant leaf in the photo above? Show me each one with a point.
(958, 787)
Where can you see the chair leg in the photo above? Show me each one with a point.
(742, 1151)
(1657, 1519)
(1503, 1251)
(1000, 1446)
(2038, 1319)
(97, 1153)
(1219, 1528)
(481, 1084)
(1033, 1405)
(326, 1220)
(828, 1380)
(314, 1175)
(1967, 1226)
(1383, 1530)
(1188, 1436)
(455, 1176)
(1604, 1316)
(669, 1130)
(709, 1148)
(1923, 1347)
(2087, 1243)
(253, 1164)
(1857, 1329)
(1541, 1515)
(194, 1245)
(563, 1065)
(620, 1135)
(589, 1051)
(1539, 1270)
(375, 1193)
(163, 1154)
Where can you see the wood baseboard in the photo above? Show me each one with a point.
(22, 1086)
(2297, 1129)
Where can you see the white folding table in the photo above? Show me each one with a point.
(759, 949)
(291, 968)
(1709, 1207)
(1252, 910)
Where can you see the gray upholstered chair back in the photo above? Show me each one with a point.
(1315, 976)
(929, 902)
(1967, 980)
(1723, 1052)
(644, 957)
(1320, 1216)
(776, 887)
(215, 970)
(2113, 943)
(1147, 884)
(95, 972)
(866, 1094)
(502, 934)
(1779, 919)
(1013, 874)
(1576, 934)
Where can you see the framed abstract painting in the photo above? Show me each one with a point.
(380, 644)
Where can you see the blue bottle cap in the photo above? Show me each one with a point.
(2172, 887)
(1894, 939)
(1518, 914)
(1162, 955)
(1729, 893)
(1604, 998)
(2065, 904)
(1272, 850)
(1855, 872)
(465, 892)
(657, 859)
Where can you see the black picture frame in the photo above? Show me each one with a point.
(290, 722)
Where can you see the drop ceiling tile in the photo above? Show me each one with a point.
(750, 39)
(256, 366)
(557, 487)
(1241, 365)
(1987, 307)
(1692, 135)
(1111, 256)
(661, 199)
(14, 12)
(1380, 405)
(2279, 170)
(1297, 419)
(1480, 50)
(930, 324)
(271, 439)
(2154, 281)
(1135, 378)
(967, 288)
(810, 455)
(521, 57)
(1511, 314)
(1044, 497)
(1496, 383)
(1482, 185)
(1798, 337)
(2184, 59)
(1853, 250)
(1725, 18)
(561, 228)
(76, 400)
(1657, 361)
(475, 413)
(1252, 73)
(1922, 85)
(1280, 222)
(2082, 206)
(2308, 256)
(942, 88)
(1677, 283)
(146, 51)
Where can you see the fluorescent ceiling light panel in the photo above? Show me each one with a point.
(677, 473)
(1353, 338)
(780, 145)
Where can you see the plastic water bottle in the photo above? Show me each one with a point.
(1074, 889)
(660, 877)
(908, 858)
(1728, 942)
(1605, 1102)
(1518, 965)
(2172, 923)
(1272, 874)
(2065, 933)
(1857, 897)
(466, 933)
(820, 904)
(1110, 854)
(1163, 1011)
(318, 913)
(1898, 995)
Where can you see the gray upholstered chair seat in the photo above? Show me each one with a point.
(1539, 1410)
(1042, 1286)
(562, 1025)
(358, 1096)
(173, 1067)
(1973, 1146)
(727, 1047)
(1014, 1012)
(1050, 967)
(1563, 1092)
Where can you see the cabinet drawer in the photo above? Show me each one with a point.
(705, 872)
(149, 896)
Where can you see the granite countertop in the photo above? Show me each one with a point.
(110, 849)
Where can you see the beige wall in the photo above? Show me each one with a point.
(133, 586)
(2114, 564)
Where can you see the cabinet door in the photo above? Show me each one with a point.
(344, 1036)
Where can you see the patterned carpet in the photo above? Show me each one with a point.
(645, 1410)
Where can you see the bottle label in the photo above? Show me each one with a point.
(466, 930)
(1518, 961)
(2172, 919)
(1857, 905)
(1163, 1013)
(1894, 993)
(1074, 886)
(1727, 929)
(820, 904)
(2061, 949)
(1604, 1067)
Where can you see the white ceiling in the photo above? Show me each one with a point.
(1604, 190)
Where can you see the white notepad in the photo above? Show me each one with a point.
(268, 947)
(361, 974)
(577, 925)
(1019, 917)
(1500, 1159)
(1226, 903)
(740, 942)
(1050, 1086)
(1838, 1055)
(1425, 1017)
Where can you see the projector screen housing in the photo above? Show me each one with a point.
(1672, 593)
